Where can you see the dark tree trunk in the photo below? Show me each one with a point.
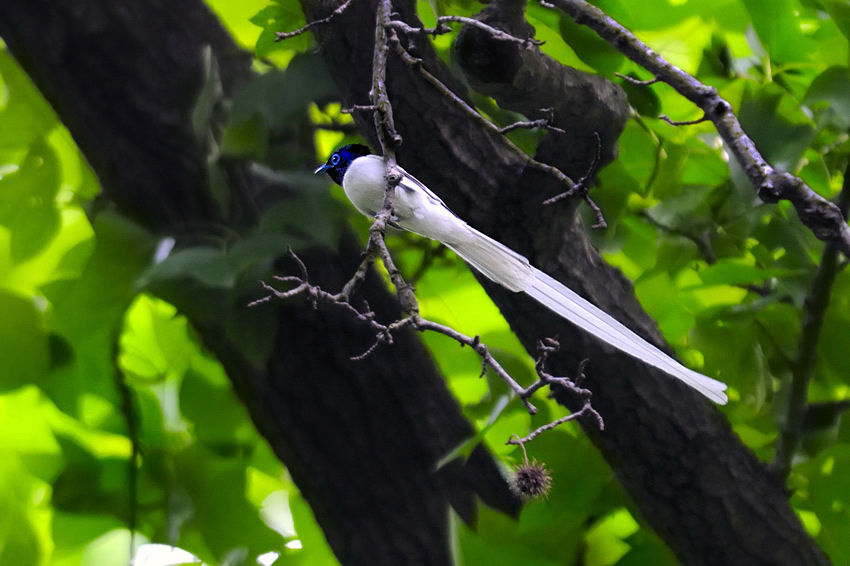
(361, 438)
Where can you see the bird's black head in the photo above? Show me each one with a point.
(339, 160)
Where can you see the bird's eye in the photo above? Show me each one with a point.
(335, 159)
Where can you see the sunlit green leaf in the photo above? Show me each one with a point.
(279, 16)
(737, 273)
(23, 342)
(26, 201)
(777, 24)
(839, 10)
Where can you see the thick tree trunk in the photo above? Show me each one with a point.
(361, 438)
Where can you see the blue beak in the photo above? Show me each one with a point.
(321, 168)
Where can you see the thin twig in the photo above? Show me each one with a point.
(581, 188)
(573, 386)
(358, 108)
(384, 332)
(281, 35)
(442, 28)
(672, 122)
(586, 409)
(545, 122)
(632, 80)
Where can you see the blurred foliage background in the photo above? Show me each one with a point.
(98, 377)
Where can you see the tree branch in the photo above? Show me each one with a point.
(280, 36)
(441, 28)
(384, 335)
(821, 216)
(802, 367)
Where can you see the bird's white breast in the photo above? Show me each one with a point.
(415, 207)
(364, 183)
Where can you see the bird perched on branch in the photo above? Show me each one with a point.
(417, 209)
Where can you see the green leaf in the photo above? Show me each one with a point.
(20, 540)
(668, 181)
(314, 549)
(305, 81)
(225, 519)
(25, 115)
(91, 484)
(605, 544)
(24, 353)
(208, 265)
(777, 24)
(73, 532)
(591, 48)
(306, 217)
(21, 546)
(249, 139)
(821, 426)
(777, 125)
(646, 548)
(642, 98)
(839, 11)
(236, 17)
(26, 201)
(717, 59)
(833, 87)
(88, 311)
(208, 401)
(733, 272)
(155, 341)
(279, 16)
(830, 498)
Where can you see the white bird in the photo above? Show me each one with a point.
(417, 209)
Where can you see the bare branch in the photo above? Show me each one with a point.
(821, 216)
(536, 432)
(281, 35)
(546, 348)
(359, 108)
(545, 122)
(672, 122)
(634, 81)
(581, 188)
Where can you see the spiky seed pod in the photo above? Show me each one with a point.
(531, 480)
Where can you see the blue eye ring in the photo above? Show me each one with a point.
(335, 159)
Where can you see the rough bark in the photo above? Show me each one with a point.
(361, 439)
